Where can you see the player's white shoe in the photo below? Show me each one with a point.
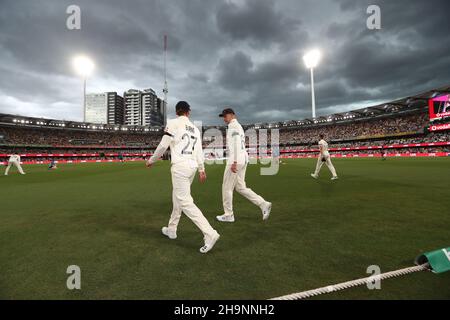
(314, 176)
(168, 233)
(226, 218)
(335, 178)
(210, 242)
(266, 208)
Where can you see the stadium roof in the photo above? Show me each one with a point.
(408, 104)
(18, 120)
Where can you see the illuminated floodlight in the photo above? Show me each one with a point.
(83, 66)
(312, 58)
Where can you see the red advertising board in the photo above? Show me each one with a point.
(439, 107)
(440, 127)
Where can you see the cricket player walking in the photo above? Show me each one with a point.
(324, 157)
(14, 159)
(185, 143)
(234, 175)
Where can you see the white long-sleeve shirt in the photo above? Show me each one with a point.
(323, 146)
(236, 144)
(14, 158)
(185, 142)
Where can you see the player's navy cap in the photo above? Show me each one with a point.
(182, 106)
(225, 112)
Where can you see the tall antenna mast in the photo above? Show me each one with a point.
(166, 89)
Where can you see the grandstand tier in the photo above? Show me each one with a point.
(398, 128)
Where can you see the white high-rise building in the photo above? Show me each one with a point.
(152, 114)
(97, 108)
(143, 108)
(104, 108)
(133, 110)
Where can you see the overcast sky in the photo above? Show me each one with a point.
(242, 53)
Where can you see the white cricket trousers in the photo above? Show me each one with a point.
(16, 164)
(182, 177)
(236, 181)
(328, 163)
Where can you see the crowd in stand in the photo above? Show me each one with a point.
(305, 135)
(53, 137)
(68, 141)
(66, 150)
(355, 130)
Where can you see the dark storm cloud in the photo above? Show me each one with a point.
(235, 71)
(244, 53)
(255, 20)
(407, 56)
(107, 31)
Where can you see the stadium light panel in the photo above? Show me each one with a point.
(312, 59)
(83, 66)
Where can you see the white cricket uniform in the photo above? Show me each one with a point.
(236, 181)
(14, 160)
(185, 143)
(323, 145)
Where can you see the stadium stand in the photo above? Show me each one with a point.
(399, 128)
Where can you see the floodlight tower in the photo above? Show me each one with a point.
(83, 66)
(166, 89)
(312, 60)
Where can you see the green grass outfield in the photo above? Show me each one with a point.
(107, 219)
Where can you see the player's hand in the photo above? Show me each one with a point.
(149, 164)
(202, 176)
(234, 167)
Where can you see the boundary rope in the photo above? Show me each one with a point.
(353, 283)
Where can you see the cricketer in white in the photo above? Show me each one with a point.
(185, 143)
(234, 175)
(324, 157)
(14, 159)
